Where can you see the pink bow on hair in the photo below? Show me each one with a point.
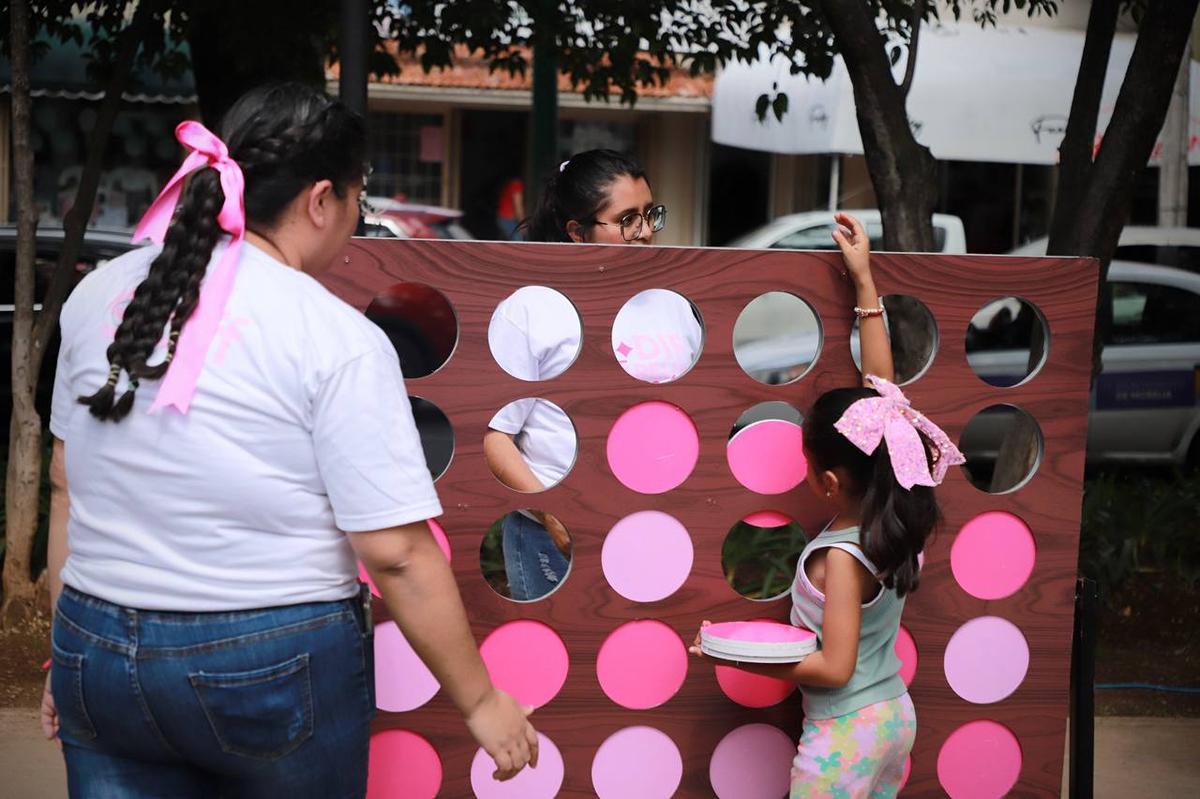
(179, 384)
(890, 417)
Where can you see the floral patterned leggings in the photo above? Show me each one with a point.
(862, 755)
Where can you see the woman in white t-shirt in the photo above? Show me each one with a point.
(597, 197)
(209, 639)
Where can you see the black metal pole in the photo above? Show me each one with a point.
(352, 69)
(352, 47)
(1083, 697)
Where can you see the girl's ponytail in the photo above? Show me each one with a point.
(895, 522)
(544, 223)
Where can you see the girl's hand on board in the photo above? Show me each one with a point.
(852, 240)
(501, 726)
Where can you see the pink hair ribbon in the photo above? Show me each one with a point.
(206, 150)
(891, 418)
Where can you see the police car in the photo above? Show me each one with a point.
(1144, 402)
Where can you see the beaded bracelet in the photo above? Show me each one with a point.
(867, 313)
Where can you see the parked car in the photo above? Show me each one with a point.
(813, 230)
(1166, 246)
(390, 218)
(99, 246)
(1144, 403)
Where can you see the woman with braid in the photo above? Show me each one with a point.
(228, 436)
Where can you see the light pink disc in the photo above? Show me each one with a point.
(402, 682)
(542, 782)
(906, 650)
(752, 762)
(647, 556)
(642, 664)
(980, 760)
(637, 763)
(653, 447)
(768, 456)
(527, 659)
(403, 763)
(993, 555)
(752, 690)
(767, 518)
(986, 659)
(439, 535)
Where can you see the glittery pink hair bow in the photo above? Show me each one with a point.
(890, 417)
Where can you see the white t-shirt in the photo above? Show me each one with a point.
(534, 335)
(656, 337)
(300, 428)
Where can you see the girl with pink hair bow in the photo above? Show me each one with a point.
(876, 460)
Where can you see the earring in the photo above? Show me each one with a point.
(829, 493)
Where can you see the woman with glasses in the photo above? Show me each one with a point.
(597, 197)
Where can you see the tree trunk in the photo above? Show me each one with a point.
(903, 172)
(1089, 217)
(76, 222)
(25, 445)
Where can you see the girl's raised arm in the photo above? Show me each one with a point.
(873, 339)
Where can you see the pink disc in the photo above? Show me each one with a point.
(542, 782)
(402, 681)
(767, 518)
(906, 650)
(907, 772)
(653, 447)
(637, 763)
(752, 690)
(647, 556)
(403, 763)
(768, 456)
(642, 664)
(993, 555)
(760, 631)
(439, 535)
(752, 762)
(986, 659)
(980, 760)
(527, 659)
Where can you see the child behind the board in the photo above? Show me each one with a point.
(875, 460)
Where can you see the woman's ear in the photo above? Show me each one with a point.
(575, 231)
(318, 203)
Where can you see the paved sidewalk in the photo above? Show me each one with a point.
(1134, 757)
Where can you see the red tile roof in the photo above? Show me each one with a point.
(471, 71)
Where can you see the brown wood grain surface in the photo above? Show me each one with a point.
(470, 388)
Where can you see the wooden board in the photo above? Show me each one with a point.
(470, 388)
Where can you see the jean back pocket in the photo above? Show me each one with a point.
(265, 713)
(66, 685)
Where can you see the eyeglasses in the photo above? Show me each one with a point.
(631, 223)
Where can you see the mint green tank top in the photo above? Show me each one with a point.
(877, 674)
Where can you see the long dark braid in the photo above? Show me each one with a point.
(284, 137)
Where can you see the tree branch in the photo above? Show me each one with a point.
(910, 67)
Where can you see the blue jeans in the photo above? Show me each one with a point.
(260, 703)
(533, 565)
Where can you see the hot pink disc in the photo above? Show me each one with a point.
(768, 456)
